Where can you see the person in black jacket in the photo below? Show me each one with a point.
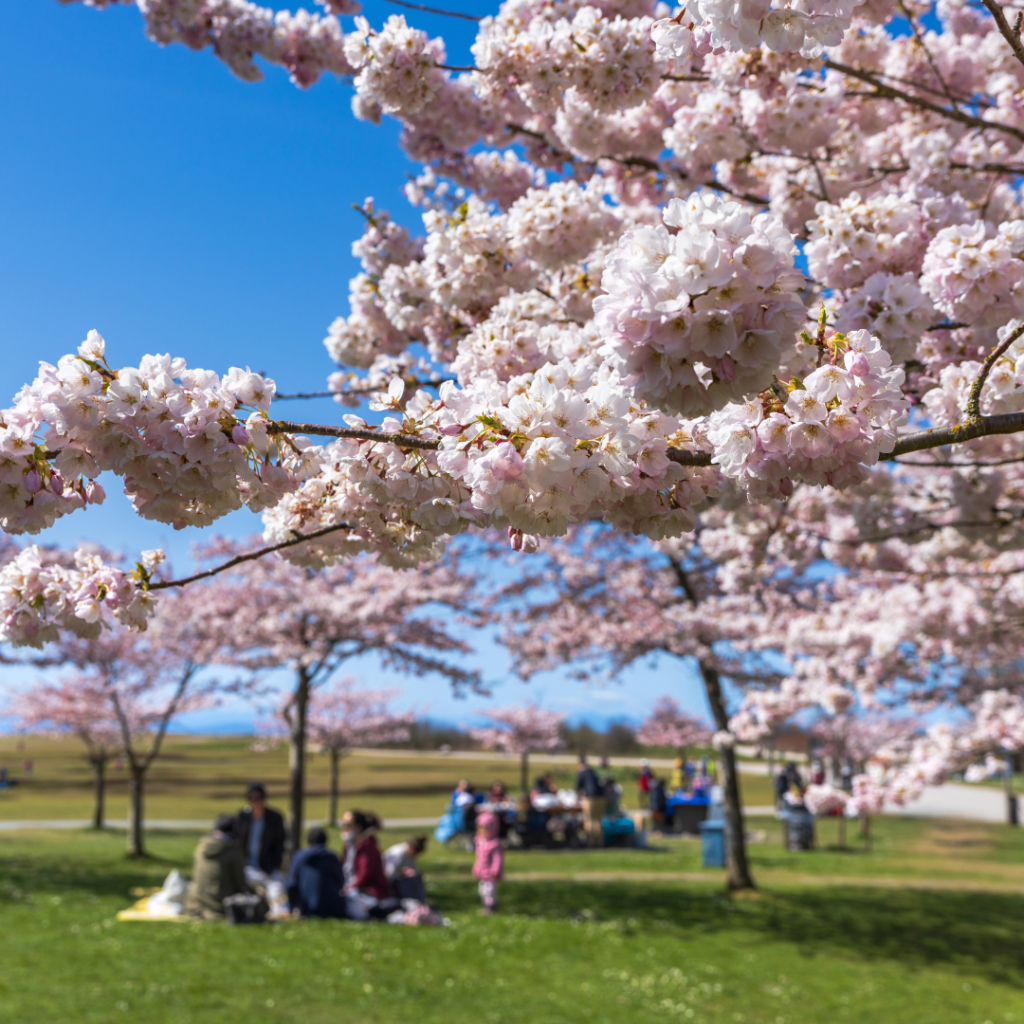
(261, 835)
(315, 879)
(591, 796)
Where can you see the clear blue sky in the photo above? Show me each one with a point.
(147, 193)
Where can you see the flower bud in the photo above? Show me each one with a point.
(33, 482)
(239, 435)
(56, 483)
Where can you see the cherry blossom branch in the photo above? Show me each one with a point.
(322, 430)
(1012, 37)
(928, 55)
(249, 556)
(433, 382)
(974, 398)
(887, 92)
(434, 10)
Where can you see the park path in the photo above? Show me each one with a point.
(973, 803)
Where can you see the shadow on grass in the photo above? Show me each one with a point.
(981, 932)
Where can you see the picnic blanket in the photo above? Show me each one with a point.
(166, 903)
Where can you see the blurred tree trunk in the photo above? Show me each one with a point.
(736, 862)
(99, 790)
(136, 784)
(332, 803)
(297, 720)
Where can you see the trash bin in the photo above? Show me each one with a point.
(797, 828)
(712, 844)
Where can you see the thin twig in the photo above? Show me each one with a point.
(435, 10)
(1004, 28)
(931, 60)
(883, 91)
(974, 397)
(323, 430)
(434, 382)
(964, 465)
(249, 556)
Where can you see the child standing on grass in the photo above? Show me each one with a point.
(489, 862)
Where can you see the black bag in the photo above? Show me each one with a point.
(246, 908)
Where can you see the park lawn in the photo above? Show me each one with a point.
(565, 947)
(199, 777)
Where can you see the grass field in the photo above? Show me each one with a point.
(926, 927)
(200, 777)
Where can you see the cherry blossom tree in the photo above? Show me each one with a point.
(277, 615)
(669, 726)
(520, 729)
(146, 680)
(76, 705)
(343, 716)
(604, 319)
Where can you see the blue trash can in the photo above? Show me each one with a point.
(712, 843)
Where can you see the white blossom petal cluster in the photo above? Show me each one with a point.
(306, 44)
(40, 597)
(546, 51)
(705, 315)
(975, 272)
(173, 434)
(826, 433)
(396, 68)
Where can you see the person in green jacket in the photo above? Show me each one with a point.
(218, 871)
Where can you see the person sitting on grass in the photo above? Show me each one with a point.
(401, 869)
(366, 885)
(218, 871)
(261, 834)
(315, 880)
(489, 862)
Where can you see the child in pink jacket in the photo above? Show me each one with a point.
(490, 860)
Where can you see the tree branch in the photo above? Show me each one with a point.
(883, 91)
(974, 397)
(1013, 38)
(249, 556)
(435, 10)
(322, 430)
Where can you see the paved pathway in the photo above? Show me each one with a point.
(974, 803)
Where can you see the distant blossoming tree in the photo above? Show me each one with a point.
(342, 716)
(521, 729)
(77, 705)
(279, 615)
(669, 726)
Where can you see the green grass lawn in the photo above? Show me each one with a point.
(198, 778)
(601, 936)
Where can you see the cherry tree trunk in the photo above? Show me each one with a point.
(332, 803)
(1011, 800)
(736, 863)
(99, 791)
(524, 772)
(297, 758)
(136, 785)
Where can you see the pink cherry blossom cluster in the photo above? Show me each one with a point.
(238, 31)
(521, 729)
(172, 433)
(40, 596)
(669, 726)
(705, 315)
(396, 68)
(546, 50)
(975, 272)
(825, 799)
(826, 433)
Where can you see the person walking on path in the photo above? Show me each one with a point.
(489, 863)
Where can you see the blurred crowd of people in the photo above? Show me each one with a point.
(245, 855)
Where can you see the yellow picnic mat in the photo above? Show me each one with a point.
(139, 910)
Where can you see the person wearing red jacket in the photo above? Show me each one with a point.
(366, 884)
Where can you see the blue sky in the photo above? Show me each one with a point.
(147, 193)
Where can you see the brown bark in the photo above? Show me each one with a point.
(737, 865)
(332, 803)
(524, 773)
(136, 784)
(99, 790)
(297, 757)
